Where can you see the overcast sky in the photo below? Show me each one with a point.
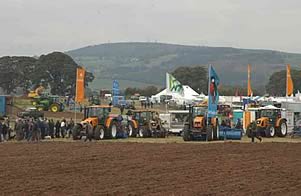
(34, 27)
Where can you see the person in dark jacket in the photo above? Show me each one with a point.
(254, 132)
(36, 131)
(0, 131)
(51, 128)
(57, 129)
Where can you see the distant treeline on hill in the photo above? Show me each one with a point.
(147, 63)
(196, 77)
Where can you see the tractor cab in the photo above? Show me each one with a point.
(142, 117)
(198, 116)
(271, 114)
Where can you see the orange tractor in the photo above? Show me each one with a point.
(271, 123)
(99, 124)
(197, 127)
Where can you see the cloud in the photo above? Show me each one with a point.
(39, 26)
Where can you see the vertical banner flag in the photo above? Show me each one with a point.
(80, 85)
(173, 85)
(289, 81)
(250, 92)
(115, 89)
(213, 95)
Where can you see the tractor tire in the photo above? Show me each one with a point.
(76, 132)
(282, 130)
(99, 133)
(143, 132)
(54, 107)
(111, 132)
(186, 134)
(209, 134)
(270, 131)
(132, 132)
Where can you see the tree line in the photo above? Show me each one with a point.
(196, 78)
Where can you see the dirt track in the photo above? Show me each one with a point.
(77, 168)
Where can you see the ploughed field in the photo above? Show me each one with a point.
(122, 168)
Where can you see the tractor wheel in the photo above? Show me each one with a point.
(132, 132)
(99, 133)
(209, 133)
(282, 130)
(54, 107)
(76, 132)
(143, 132)
(112, 131)
(270, 131)
(186, 134)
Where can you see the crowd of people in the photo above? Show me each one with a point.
(5, 130)
(35, 129)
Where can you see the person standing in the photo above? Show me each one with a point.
(30, 130)
(0, 131)
(121, 109)
(26, 129)
(70, 127)
(35, 131)
(57, 129)
(89, 132)
(255, 133)
(63, 128)
(51, 128)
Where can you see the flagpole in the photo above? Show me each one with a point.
(286, 83)
(167, 87)
(209, 74)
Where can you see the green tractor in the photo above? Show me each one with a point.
(45, 103)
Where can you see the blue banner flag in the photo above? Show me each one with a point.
(115, 89)
(212, 92)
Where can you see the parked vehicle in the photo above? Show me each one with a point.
(99, 124)
(145, 123)
(49, 102)
(31, 112)
(174, 121)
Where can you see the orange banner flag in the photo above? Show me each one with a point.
(80, 85)
(289, 81)
(250, 92)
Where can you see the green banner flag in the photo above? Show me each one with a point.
(173, 85)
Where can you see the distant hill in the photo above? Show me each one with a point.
(141, 64)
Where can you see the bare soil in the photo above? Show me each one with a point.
(129, 168)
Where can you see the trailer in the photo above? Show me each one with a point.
(174, 121)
